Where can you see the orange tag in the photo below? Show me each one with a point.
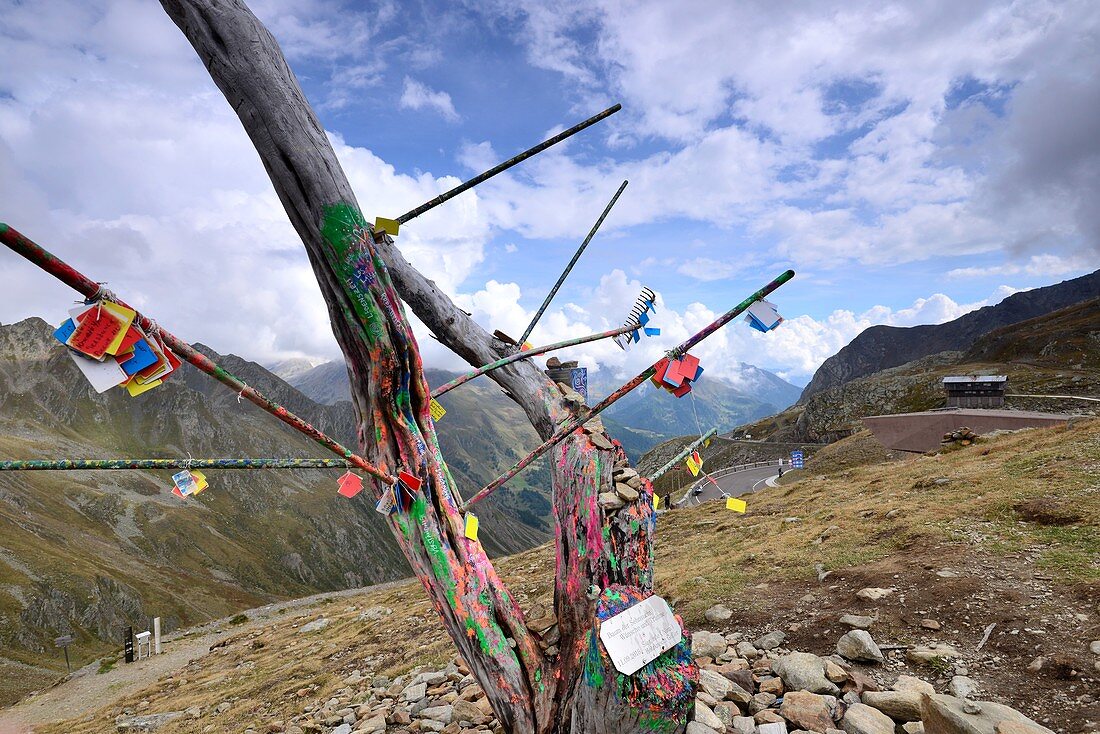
(95, 333)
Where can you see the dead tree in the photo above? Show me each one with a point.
(558, 681)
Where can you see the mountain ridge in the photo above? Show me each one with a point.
(882, 347)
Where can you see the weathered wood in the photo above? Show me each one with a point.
(360, 278)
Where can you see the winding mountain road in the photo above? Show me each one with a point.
(733, 484)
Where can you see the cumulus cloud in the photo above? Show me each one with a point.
(417, 96)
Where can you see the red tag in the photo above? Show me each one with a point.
(682, 390)
(673, 376)
(659, 372)
(350, 485)
(409, 480)
(95, 333)
(128, 341)
(176, 491)
(688, 365)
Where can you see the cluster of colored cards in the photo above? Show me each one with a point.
(763, 316)
(695, 463)
(110, 349)
(677, 375)
(188, 483)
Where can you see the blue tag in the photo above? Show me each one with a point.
(142, 357)
(65, 331)
(652, 331)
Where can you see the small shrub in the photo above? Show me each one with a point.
(1046, 511)
(239, 619)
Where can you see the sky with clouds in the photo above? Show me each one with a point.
(911, 161)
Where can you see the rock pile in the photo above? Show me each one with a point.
(961, 436)
(758, 687)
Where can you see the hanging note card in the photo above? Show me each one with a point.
(350, 485)
(389, 226)
(693, 466)
(408, 480)
(140, 356)
(96, 330)
(639, 634)
(732, 503)
(471, 526)
(200, 481)
(437, 410)
(101, 375)
(136, 388)
(185, 482)
(656, 501)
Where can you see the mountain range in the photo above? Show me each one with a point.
(640, 420)
(881, 347)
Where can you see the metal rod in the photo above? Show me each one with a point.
(533, 352)
(683, 454)
(119, 464)
(89, 289)
(642, 377)
(554, 291)
(507, 164)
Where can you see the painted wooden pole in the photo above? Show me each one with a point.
(576, 256)
(684, 454)
(88, 288)
(625, 389)
(123, 464)
(501, 167)
(533, 352)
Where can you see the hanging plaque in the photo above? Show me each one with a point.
(638, 635)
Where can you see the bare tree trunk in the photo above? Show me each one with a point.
(604, 556)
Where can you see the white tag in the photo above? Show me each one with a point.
(102, 375)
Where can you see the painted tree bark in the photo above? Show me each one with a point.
(551, 677)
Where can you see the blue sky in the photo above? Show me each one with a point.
(911, 162)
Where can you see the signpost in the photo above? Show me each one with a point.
(636, 636)
(63, 642)
(796, 459)
(578, 377)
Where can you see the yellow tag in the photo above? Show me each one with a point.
(732, 503)
(126, 316)
(200, 479)
(706, 443)
(656, 501)
(471, 526)
(135, 389)
(389, 226)
(438, 411)
(693, 467)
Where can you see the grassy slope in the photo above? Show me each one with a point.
(891, 525)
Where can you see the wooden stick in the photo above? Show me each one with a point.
(121, 464)
(683, 454)
(554, 291)
(90, 289)
(500, 168)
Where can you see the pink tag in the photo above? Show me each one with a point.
(350, 485)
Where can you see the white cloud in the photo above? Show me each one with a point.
(417, 96)
(1045, 266)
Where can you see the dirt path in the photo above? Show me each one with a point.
(86, 690)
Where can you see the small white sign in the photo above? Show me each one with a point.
(638, 635)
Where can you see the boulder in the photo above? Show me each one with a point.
(806, 710)
(715, 684)
(747, 650)
(707, 644)
(743, 725)
(772, 727)
(898, 705)
(862, 719)
(769, 641)
(912, 683)
(874, 594)
(857, 621)
(962, 687)
(718, 613)
(803, 671)
(694, 727)
(146, 722)
(947, 715)
(925, 653)
(706, 717)
(859, 645)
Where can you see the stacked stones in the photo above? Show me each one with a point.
(758, 687)
(446, 700)
(961, 436)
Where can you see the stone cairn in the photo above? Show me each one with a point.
(960, 436)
